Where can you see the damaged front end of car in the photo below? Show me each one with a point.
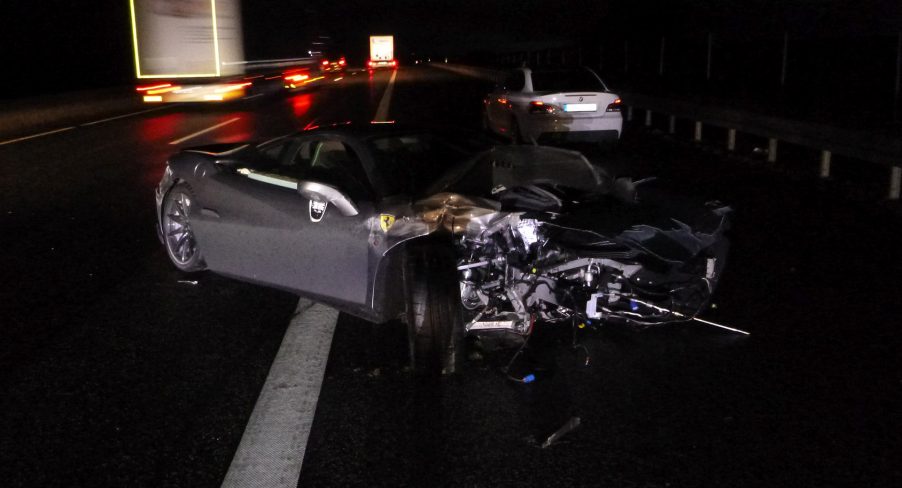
(549, 238)
(523, 269)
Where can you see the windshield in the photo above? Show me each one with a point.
(566, 80)
(410, 163)
(506, 167)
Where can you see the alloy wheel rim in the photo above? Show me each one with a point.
(179, 236)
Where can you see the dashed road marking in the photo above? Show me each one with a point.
(36, 135)
(124, 116)
(201, 132)
(272, 448)
(382, 111)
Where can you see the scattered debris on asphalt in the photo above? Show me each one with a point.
(568, 427)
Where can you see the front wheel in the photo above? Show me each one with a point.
(435, 328)
(178, 234)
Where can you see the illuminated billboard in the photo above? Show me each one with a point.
(187, 38)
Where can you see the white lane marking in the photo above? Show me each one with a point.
(272, 448)
(382, 111)
(36, 135)
(339, 78)
(200, 132)
(124, 116)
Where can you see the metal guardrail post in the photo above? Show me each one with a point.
(895, 182)
(671, 124)
(771, 150)
(648, 118)
(825, 164)
(731, 140)
(697, 137)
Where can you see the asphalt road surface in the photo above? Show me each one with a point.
(116, 370)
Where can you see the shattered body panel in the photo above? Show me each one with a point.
(539, 234)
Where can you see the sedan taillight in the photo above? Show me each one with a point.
(538, 107)
(614, 106)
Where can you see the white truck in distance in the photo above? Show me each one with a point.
(382, 53)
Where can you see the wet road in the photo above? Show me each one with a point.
(118, 371)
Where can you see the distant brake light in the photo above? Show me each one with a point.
(325, 62)
(341, 61)
(614, 106)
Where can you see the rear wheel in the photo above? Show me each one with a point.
(178, 234)
(435, 328)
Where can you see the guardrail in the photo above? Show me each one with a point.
(867, 146)
(876, 148)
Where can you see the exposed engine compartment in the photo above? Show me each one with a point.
(523, 269)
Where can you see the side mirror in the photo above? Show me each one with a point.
(323, 193)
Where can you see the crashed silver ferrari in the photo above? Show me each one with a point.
(453, 237)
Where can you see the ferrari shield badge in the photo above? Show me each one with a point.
(317, 210)
(386, 221)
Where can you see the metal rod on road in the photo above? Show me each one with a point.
(731, 140)
(671, 124)
(697, 137)
(678, 314)
(648, 118)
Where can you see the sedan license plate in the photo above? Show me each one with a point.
(580, 107)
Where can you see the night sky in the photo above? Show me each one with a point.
(53, 45)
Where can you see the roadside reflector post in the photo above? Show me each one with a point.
(671, 124)
(771, 150)
(731, 140)
(698, 131)
(825, 164)
(629, 113)
(648, 118)
(895, 182)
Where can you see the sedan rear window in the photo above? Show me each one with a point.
(566, 81)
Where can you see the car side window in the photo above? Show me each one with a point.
(321, 160)
(515, 81)
(332, 162)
